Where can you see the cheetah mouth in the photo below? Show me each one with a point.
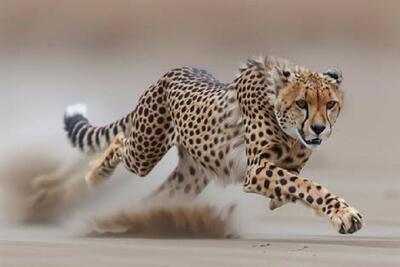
(311, 143)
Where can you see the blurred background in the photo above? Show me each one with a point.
(106, 53)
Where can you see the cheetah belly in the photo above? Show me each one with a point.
(237, 162)
(233, 166)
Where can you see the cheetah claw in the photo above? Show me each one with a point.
(347, 220)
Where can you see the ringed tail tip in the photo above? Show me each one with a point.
(76, 109)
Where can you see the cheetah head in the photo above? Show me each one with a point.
(307, 103)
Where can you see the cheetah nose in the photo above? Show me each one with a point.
(318, 128)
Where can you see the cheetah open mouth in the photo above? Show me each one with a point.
(312, 143)
(315, 141)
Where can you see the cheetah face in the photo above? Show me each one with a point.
(308, 104)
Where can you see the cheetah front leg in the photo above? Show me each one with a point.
(277, 183)
(277, 203)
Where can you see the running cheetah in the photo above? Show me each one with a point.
(258, 130)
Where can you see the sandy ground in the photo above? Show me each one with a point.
(50, 248)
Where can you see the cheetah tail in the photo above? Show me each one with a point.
(88, 138)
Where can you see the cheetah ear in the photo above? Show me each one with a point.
(334, 74)
(279, 72)
(281, 76)
(284, 74)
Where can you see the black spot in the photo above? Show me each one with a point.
(192, 170)
(288, 159)
(280, 173)
(158, 131)
(266, 183)
(319, 200)
(160, 120)
(301, 195)
(264, 143)
(329, 200)
(292, 189)
(269, 173)
(254, 180)
(277, 150)
(265, 156)
(226, 171)
(188, 188)
(283, 181)
(310, 199)
(146, 112)
(180, 177)
(278, 191)
(259, 170)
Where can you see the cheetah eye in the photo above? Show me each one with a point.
(301, 104)
(330, 104)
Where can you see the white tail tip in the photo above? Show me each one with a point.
(76, 109)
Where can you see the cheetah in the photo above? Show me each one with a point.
(258, 130)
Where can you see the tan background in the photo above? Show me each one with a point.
(106, 53)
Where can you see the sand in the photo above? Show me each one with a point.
(49, 247)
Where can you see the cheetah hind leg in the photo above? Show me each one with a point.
(185, 183)
(104, 167)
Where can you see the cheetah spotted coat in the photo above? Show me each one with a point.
(223, 131)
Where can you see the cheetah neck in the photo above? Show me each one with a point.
(255, 86)
(256, 94)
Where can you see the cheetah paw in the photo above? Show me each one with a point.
(347, 220)
(94, 179)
